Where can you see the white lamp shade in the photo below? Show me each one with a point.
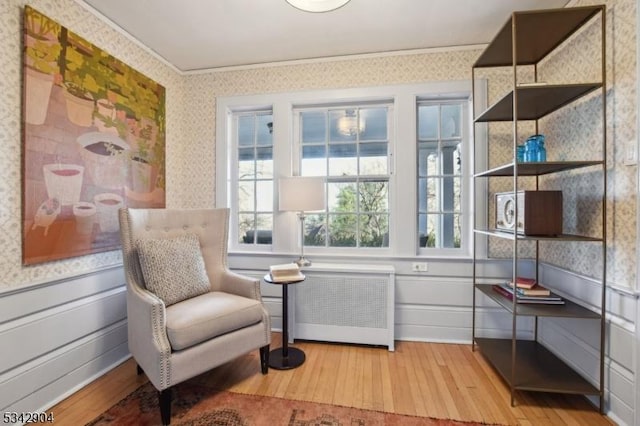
(301, 193)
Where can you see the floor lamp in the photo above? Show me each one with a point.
(302, 194)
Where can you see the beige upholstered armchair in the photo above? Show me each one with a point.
(187, 312)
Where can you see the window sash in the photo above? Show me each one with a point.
(252, 181)
(441, 185)
(362, 166)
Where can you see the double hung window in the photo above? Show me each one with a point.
(350, 147)
(254, 177)
(440, 173)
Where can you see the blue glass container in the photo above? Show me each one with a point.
(542, 151)
(531, 150)
(520, 149)
(534, 149)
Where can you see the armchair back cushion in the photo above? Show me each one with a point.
(210, 226)
(173, 268)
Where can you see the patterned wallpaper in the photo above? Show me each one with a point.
(582, 126)
(78, 19)
(191, 124)
(202, 89)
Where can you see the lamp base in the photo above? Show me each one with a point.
(303, 261)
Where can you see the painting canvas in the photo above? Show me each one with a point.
(94, 141)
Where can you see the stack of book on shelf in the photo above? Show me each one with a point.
(528, 291)
(286, 272)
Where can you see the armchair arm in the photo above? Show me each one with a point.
(240, 285)
(148, 341)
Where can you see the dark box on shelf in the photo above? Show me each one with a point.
(539, 212)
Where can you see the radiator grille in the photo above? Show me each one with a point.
(342, 301)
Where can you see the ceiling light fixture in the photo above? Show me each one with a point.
(349, 124)
(317, 5)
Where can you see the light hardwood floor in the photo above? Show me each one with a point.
(423, 379)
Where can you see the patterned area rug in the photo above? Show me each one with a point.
(198, 405)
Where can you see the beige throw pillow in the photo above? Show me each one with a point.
(173, 268)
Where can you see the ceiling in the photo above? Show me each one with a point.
(205, 34)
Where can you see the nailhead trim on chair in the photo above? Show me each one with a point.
(165, 366)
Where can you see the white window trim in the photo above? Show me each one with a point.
(479, 157)
(402, 185)
(465, 176)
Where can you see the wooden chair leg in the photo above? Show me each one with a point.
(264, 359)
(165, 406)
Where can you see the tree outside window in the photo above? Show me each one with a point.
(349, 146)
(255, 177)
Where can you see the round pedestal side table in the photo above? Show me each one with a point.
(285, 358)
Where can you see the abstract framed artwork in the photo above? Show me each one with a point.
(94, 141)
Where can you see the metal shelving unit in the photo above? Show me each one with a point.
(529, 37)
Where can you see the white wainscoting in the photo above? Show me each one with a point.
(56, 337)
(438, 309)
(59, 336)
(577, 342)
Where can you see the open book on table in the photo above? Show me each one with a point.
(285, 272)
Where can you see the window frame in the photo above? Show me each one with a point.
(466, 138)
(403, 165)
(235, 179)
(297, 146)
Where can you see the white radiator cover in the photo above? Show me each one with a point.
(345, 303)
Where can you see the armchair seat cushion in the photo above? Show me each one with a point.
(212, 314)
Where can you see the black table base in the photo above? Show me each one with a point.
(285, 358)
(295, 358)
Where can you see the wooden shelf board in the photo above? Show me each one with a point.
(562, 237)
(549, 27)
(536, 368)
(568, 310)
(534, 102)
(537, 169)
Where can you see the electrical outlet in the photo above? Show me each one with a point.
(631, 154)
(419, 267)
